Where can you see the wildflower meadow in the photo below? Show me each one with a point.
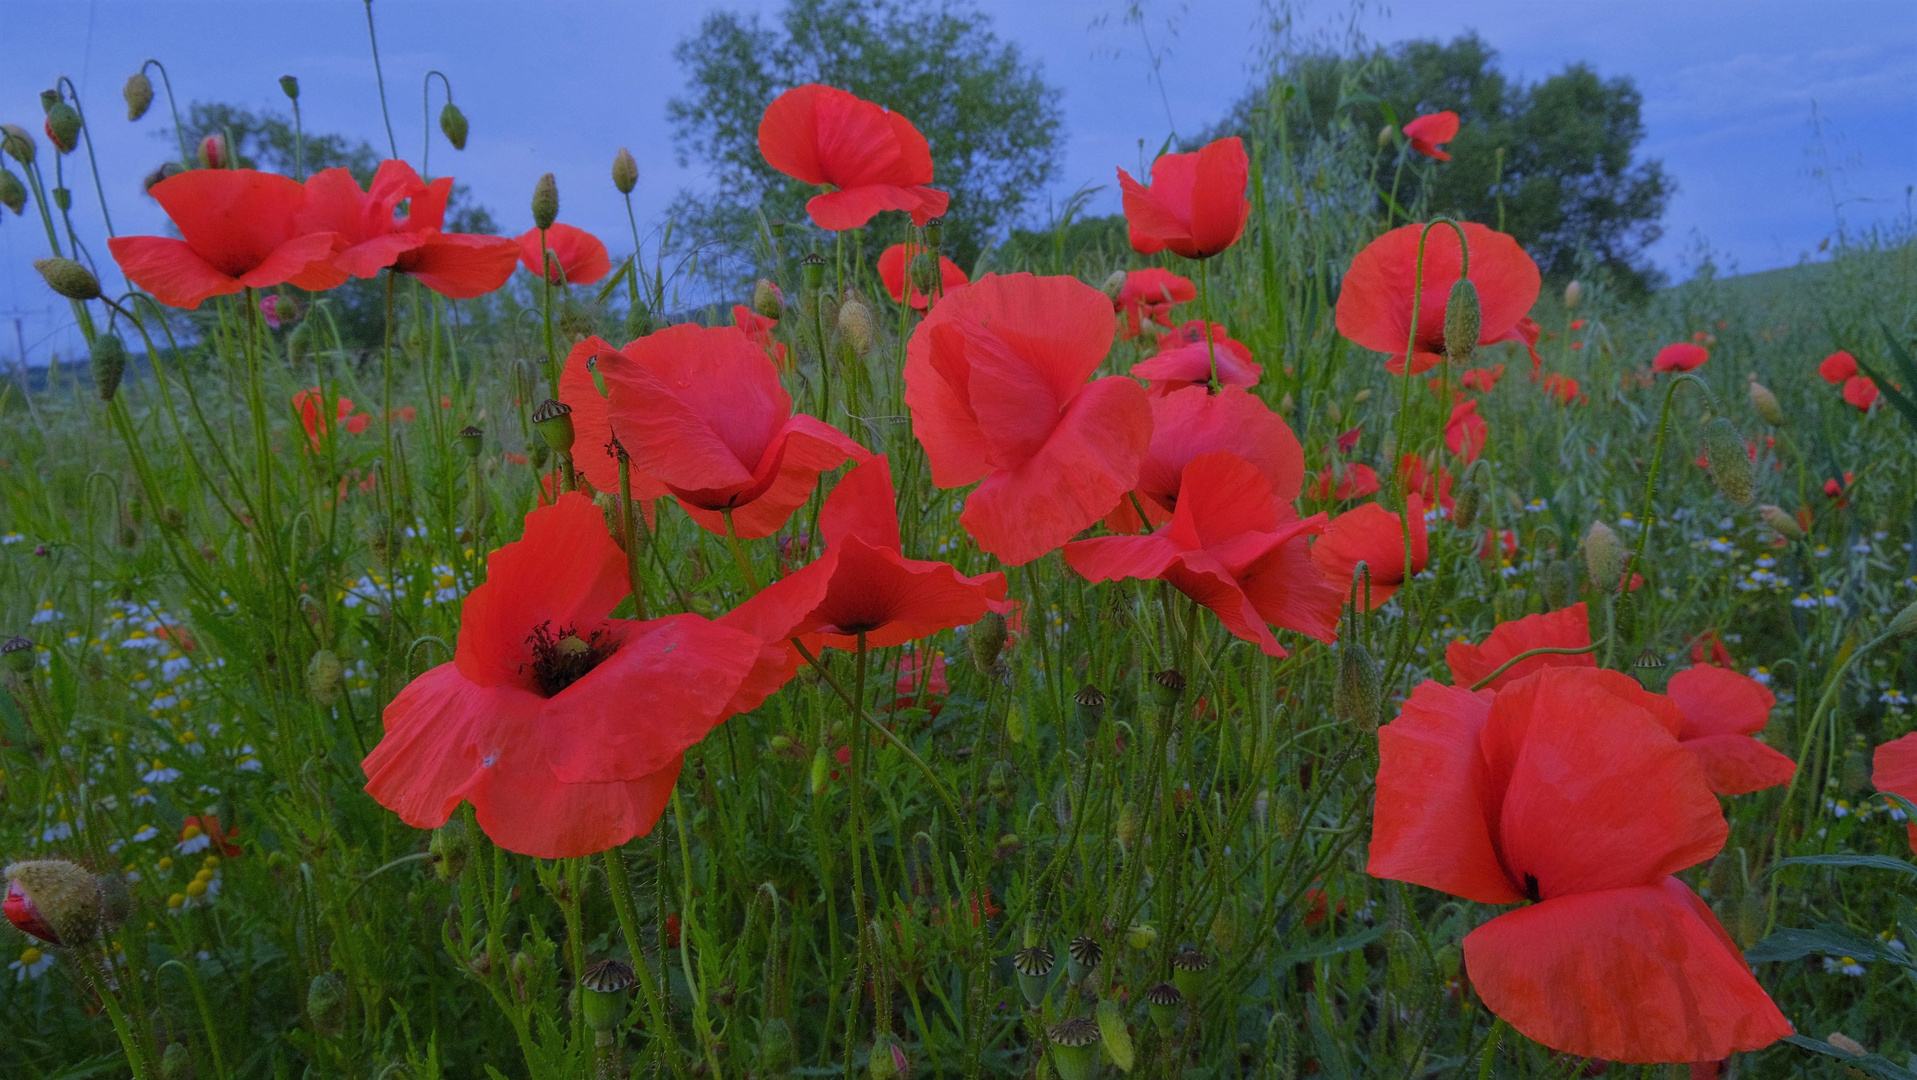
(1289, 632)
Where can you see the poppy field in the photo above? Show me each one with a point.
(1290, 636)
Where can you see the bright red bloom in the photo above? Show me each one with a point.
(26, 916)
(1837, 367)
(1465, 431)
(1426, 132)
(1567, 628)
(1614, 958)
(1498, 544)
(1150, 294)
(1374, 308)
(759, 328)
(1374, 536)
(1837, 491)
(1193, 421)
(874, 157)
(701, 410)
(1708, 648)
(1185, 358)
(1722, 710)
(310, 404)
(1347, 440)
(895, 271)
(1233, 546)
(919, 683)
(1860, 392)
(1682, 356)
(371, 238)
(1526, 332)
(1894, 770)
(1483, 378)
(594, 448)
(1433, 483)
(1355, 481)
(1577, 324)
(579, 257)
(358, 423)
(565, 729)
(1562, 387)
(1196, 203)
(238, 229)
(995, 378)
(864, 583)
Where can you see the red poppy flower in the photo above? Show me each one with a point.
(579, 257)
(1835, 490)
(874, 157)
(310, 404)
(1682, 356)
(1498, 544)
(1722, 710)
(1426, 132)
(921, 683)
(1234, 547)
(1860, 392)
(1614, 958)
(1562, 387)
(1838, 367)
(759, 328)
(1577, 324)
(1708, 648)
(238, 230)
(1193, 421)
(995, 378)
(1465, 431)
(1526, 332)
(26, 916)
(1566, 628)
(1894, 770)
(1185, 358)
(1484, 378)
(864, 583)
(1347, 440)
(1433, 483)
(1374, 536)
(218, 840)
(1196, 203)
(701, 410)
(564, 728)
(1374, 307)
(1351, 481)
(1150, 294)
(594, 449)
(371, 238)
(895, 271)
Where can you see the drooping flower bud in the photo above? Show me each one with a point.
(1358, 695)
(1034, 965)
(985, 640)
(604, 999)
(1114, 285)
(1603, 556)
(1141, 936)
(108, 364)
(887, 1061)
(139, 95)
(53, 900)
(18, 653)
(1462, 322)
(63, 199)
(1075, 1048)
(925, 272)
(213, 153)
(1780, 522)
(63, 127)
(1163, 1001)
(326, 1003)
(13, 193)
(545, 202)
(452, 122)
(69, 278)
(1384, 135)
(290, 87)
(1572, 293)
(1470, 500)
(625, 171)
(553, 418)
(778, 1051)
(324, 676)
(767, 301)
(855, 325)
(472, 440)
(1766, 404)
(17, 142)
(1730, 465)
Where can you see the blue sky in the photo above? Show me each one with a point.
(1730, 90)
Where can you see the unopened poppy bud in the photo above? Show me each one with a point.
(1358, 695)
(116, 901)
(553, 418)
(1384, 135)
(1000, 782)
(625, 171)
(1730, 465)
(324, 676)
(290, 87)
(69, 278)
(812, 268)
(53, 900)
(1127, 828)
(1854, 778)
(1163, 1002)
(452, 123)
(778, 1050)
(1114, 1034)
(176, 1063)
(935, 233)
(18, 652)
(545, 202)
(1034, 965)
(1167, 685)
(855, 325)
(766, 300)
(1075, 1048)
(821, 770)
(1462, 321)
(887, 1060)
(1572, 293)
(1081, 956)
(452, 848)
(326, 1003)
(1115, 285)
(17, 142)
(108, 355)
(139, 95)
(1470, 500)
(1902, 625)
(1188, 971)
(13, 193)
(604, 999)
(1603, 556)
(1777, 520)
(925, 272)
(986, 640)
(472, 440)
(213, 152)
(63, 199)
(1766, 405)
(1561, 584)
(1141, 936)
(63, 127)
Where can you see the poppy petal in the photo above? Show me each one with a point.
(172, 271)
(1719, 701)
(806, 447)
(1219, 209)
(523, 810)
(1894, 770)
(428, 756)
(1566, 628)
(461, 266)
(899, 599)
(291, 260)
(1739, 764)
(235, 218)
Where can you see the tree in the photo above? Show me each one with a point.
(990, 118)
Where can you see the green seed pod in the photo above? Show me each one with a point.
(139, 95)
(1603, 557)
(176, 1063)
(324, 676)
(1167, 686)
(290, 87)
(777, 225)
(18, 652)
(553, 418)
(472, 440)
(855, 325)
(1034, 966)
(59, 902)
(935, 233)
(452, 848)
(778, 1051)
(452, 123)
(1730, 464)
(821, 771)
(925, 272)
(1779, 521)
(767, 301)
(1766, 405)
(812, 268)
(1189, 968)
(986, 640)
(13, 193)
(18, 143)
(1114, 1034)
(1082, 956)
(63, 127)
(625, 177)
(545, 202)
(1075, 1048)
(1462, 322)
(1114, 285)
(1163, 1001)
(69, 278)
(326, 1003)
(1089, 705)
(1358, 695)
(108, 363)
(603, 997)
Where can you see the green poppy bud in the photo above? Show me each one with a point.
(1358, 695)
(53, 900)
(1462, 322)
(13, 193)
(1780, 522)
(925, 273)
(1766, 405)
(625, 171)
(935, 233)
(1114, 1034)
(1115, 285)
(69, 278)
(986, 640)
(778, 1051)
(1560, 584)
(545, 202)
(109, 364)
(1572, 293)
(176, 1063)
(887, 1061)
(452, 848)
(1730, 464)
(326, 1003)
(1141, 936)
(1902, 625)
(290, 87)
(855, 325)
(17, 142)
(139, 95)
(63, 127)
(453, 123)
(1603, 557)
(766, 300)
(821, 771)
(213, 153)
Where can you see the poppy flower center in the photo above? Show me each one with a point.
(563, 657)
(1531, 887)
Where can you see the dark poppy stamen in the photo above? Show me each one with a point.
(564, 657)
(1531, 887)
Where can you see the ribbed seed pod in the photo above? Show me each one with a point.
(1730, 464)
(603, 987)
(1075, 1048)
(1164, 1001)
(1082, 955)
(1188, 971)
(1034, 965)
(553, 418)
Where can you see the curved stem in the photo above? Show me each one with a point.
(92, 161)
(372, 36)
(1650, 490)
(426, 118)
(173, 106)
